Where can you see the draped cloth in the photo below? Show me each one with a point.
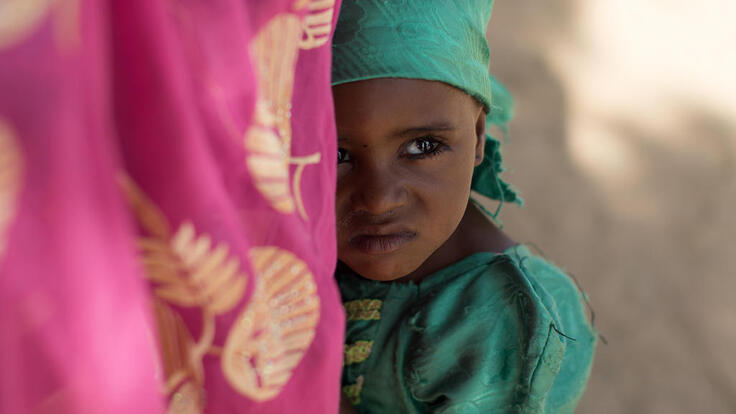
(167, 207)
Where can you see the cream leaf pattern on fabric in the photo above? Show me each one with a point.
(268, 140)
(11, 165)
(191, 271)
(189, 399)
(188, 270)
(18, 18)
(176, 344)
(272, 334)
(317, 24)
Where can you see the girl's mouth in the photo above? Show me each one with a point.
(381, 244)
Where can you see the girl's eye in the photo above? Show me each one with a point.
(421, 147)
(342, 156)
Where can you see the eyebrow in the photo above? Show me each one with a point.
(419, 129)
(422, 129)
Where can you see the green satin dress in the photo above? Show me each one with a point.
(492, 333)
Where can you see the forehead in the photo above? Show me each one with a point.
(379, 103)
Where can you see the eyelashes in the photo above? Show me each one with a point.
(424, 147)
(343, 156)
(418, 148)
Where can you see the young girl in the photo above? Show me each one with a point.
(445, 312)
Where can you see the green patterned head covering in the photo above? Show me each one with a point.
(439, 40)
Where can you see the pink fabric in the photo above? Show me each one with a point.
(165, 94)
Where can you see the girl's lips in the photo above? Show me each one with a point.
(381, 244)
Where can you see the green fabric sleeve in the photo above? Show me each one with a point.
(564, 297)
(504, 355)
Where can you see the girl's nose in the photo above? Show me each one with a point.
(378, 191)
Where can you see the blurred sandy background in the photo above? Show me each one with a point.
(624, 148)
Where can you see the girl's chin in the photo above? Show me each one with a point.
(381, 270)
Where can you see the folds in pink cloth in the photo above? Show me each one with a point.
(167, 224)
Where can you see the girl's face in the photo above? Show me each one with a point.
(407, 149)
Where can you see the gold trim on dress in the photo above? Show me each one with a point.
(352, 392)
(363, 309)
(357, 352)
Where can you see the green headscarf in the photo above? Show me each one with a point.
(439, 40)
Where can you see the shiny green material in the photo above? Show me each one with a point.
(438, 40)
(493, 333)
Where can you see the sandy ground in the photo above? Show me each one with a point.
(626, 157)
